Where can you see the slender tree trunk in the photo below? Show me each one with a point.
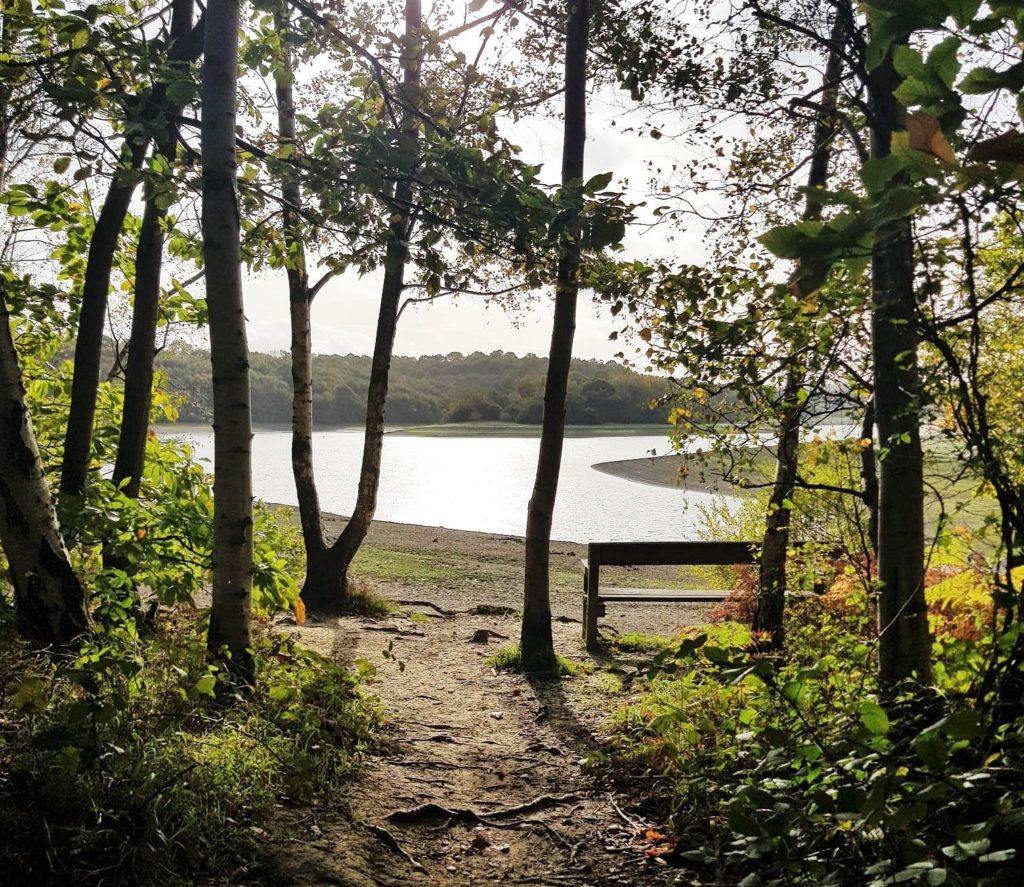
(91, 323)
(96, 288)
(138, 381)
(6, 43)
(232, 481)
(300, 300)
(904, 643)
(869, 473)
(49, 599)
(536, 644)
(769, 615)
(326, 581)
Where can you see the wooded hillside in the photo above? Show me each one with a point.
(438, 388)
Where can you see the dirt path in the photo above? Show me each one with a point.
(500, 755)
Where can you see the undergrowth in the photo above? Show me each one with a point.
(800, 771)
(133, 764)
(637, 642)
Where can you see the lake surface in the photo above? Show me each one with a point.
(482, 483)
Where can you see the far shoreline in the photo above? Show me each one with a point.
(445, 429)
(677, 471)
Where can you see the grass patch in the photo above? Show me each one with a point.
(390, 565)
(363, 600)
(637, 642)
(510, 658)
(130, 766)
(421, 618)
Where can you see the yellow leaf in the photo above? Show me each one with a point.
(925, 135)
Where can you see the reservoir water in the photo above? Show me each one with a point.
(482, 483)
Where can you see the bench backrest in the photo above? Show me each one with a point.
(626, 554)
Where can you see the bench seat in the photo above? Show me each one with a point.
(661, 595)
(637, 554)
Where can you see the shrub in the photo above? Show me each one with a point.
(799, 772)
(126, 761)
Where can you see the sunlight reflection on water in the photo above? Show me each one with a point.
(482, 483)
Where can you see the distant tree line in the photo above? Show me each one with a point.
(498, 387)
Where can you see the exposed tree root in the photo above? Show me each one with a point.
(464, 814)
(432, 606)
(391, 842)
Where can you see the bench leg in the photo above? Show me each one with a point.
(591, 609)
(586, 609)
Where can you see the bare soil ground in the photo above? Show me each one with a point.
(481, 777)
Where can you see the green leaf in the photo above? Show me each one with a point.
(908, 62)
(999, 855)
(962, 724)
(943, 62)
(598, 183)
(877, 172)
(206, 684)
(61, 164)
(791, 241)
(963, 11)
(874, 718)
(793, 690)
(932, 749)
(984, 79)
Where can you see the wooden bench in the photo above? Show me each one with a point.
(637, 554)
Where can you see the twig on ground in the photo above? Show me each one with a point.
(631, 821)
